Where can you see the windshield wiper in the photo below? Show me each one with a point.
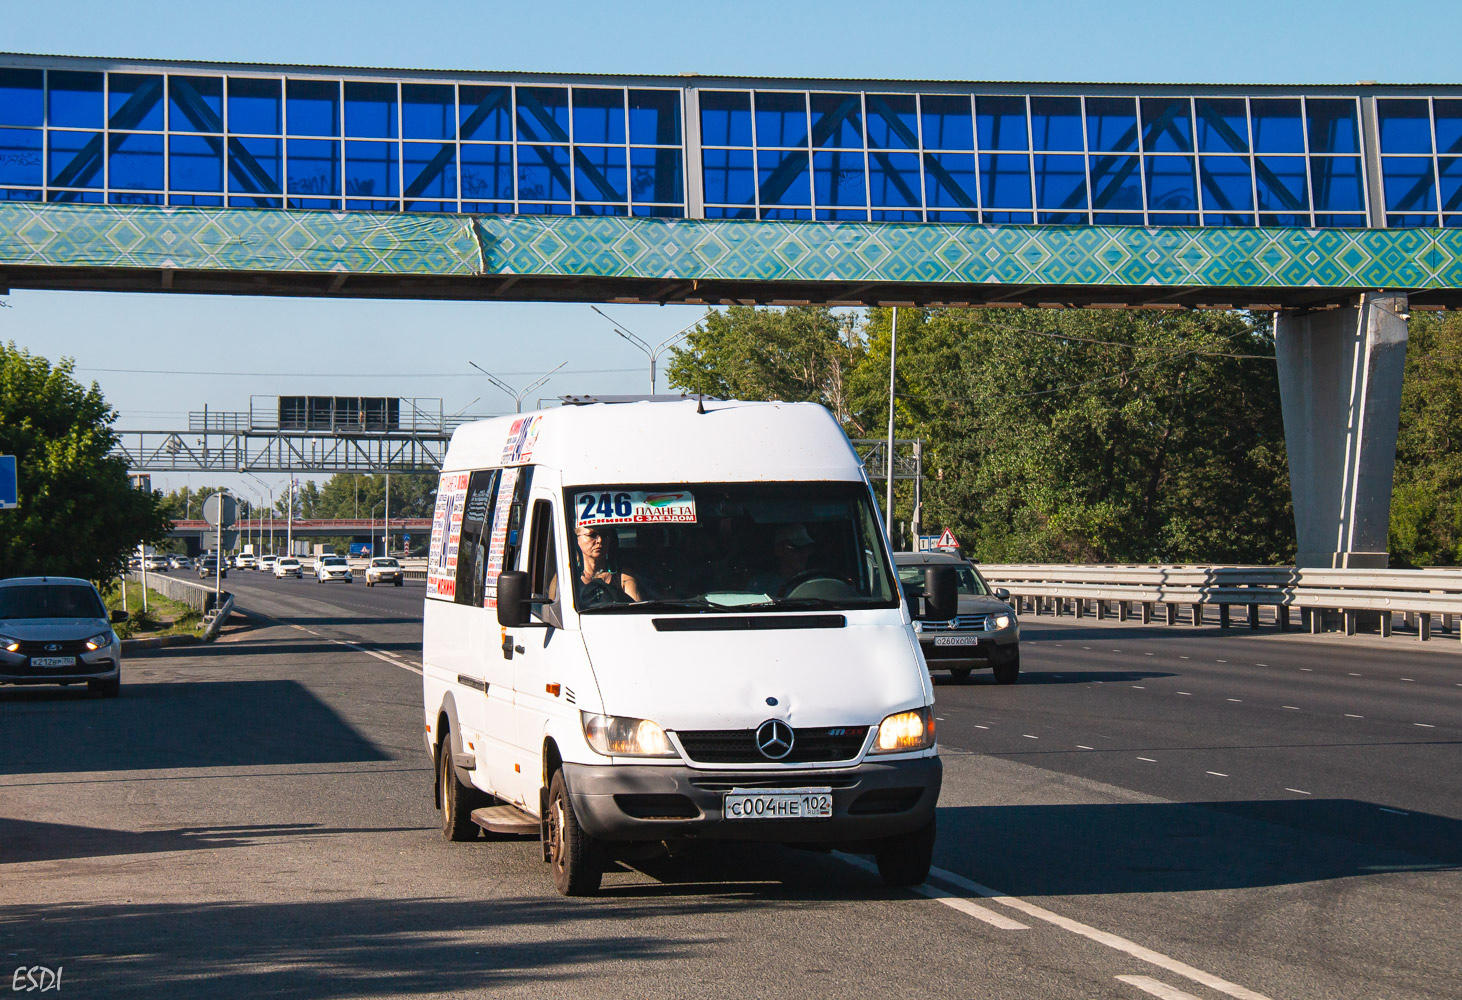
(798, 604)
(694, 604)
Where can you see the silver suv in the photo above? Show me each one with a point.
(985, 633)
(56, 630)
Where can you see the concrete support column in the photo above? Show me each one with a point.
(1172, 613)
(1340, 388)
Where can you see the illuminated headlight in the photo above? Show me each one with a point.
(616, 736)
(98, 641)
(8, 644)
(994, 622)
(904, 731)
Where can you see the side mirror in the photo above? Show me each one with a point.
(118, 617)
(941, 593)
(1003, 594)
(512, 598)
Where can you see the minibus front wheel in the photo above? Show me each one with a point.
(905, 860)
(576, 857)
(454, 800)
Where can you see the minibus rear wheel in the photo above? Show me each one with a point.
(577, 858)
(905, 860)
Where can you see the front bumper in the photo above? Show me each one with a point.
(872, 800)
(102, 665)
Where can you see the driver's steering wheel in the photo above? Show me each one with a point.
(806, 576)
(599, 592)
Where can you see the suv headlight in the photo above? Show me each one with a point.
(905, 731)
(618, 736)
(98, 641)
(997, 621)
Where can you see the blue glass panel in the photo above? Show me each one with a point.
(485, 207)
(787, 214)
(1410, 221)
(1226, 219)
(654, 118)
(659, 211)
(843, 214)
(534, 209)
(949, 181)
(837, 178)
(894, 179)
(429, 171)
(135, 161)
(1333, 127)
(1223, 124)
(600, 173)
(12, 195)
(1448, 116)
(1170, 184)
(377, 205)
(134, 102)
(996, 218)
(837, 121)
(195, 103)
(428, 111)
(1111, 125)
(1061, 218)
(199, 200)
(725, 118)
(1406, 126)
(76, 159)
(1336, 182)
(312, 107)
(543, 114)
(1280, 181)
(430, 206)
(1277, 127)
(370, 110)
(906, 215)
(782, 177)
(1448, 221)
(1227, 182)
(314, 166)
(195, 163)
(20, 156)
(729, 176)
(329, 204)
(76, 100)
(893, 121)
(1449, 170)
(1061, 181)
(1005, 181)
(75, 197)
(781, 119)
(1000, 122)
(487, 172)
(1409, 184)
(486, 113)
(133, 198)
(237, 202)
(370, 170)
(717, 212)
(20, 97)
(253, 166)
(1285, 221)
(1172, 219)
(582, 209)
(1340, 221)
(1167, 125)
(1117, 219)
(254, 106)
(598, 115)
(1116, 182)
(947, 122)
(1056, 124)
(654, 175)
(543, 172)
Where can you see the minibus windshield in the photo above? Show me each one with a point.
(747, 547)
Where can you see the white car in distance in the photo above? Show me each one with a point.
(288, 566)
(333, 568)
(384, 570)
(266, 563)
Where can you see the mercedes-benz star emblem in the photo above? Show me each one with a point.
(774, 739)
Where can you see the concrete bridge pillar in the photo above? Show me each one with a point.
(1340, 388)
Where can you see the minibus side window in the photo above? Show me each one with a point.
(476, 531)
(543, 562)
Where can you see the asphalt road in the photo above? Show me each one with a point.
(1151, 812)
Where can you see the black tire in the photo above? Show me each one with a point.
(455, 800)
(959, 674)
(905, 860)
(1007, 668)
(398, 583)
(576, 859)
(105, 689)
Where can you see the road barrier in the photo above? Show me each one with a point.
(1345, 599)
(195, 595)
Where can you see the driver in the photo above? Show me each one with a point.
(595, 548)
(792, 551)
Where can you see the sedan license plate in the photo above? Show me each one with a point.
(784, 803)
(53, 661)
(956, 640)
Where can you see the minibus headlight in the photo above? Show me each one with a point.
(999, 621)
(619, 736)
(98, 641)
(904, 731)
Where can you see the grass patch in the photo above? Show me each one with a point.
(163, 616)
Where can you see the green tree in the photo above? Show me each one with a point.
(1426, 502)
(78, 514)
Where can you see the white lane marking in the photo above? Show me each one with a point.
(1029, 736)
(1355, 675)
(938, 718)
(1080, 747)
(1148, 759)
(1261, 664)
(1157, 988)
(1138, 687)
(1349, 716)
(1185, 657)
(1308, 670)
(1424, 725)
(1149, 654)
(1394, 812)
(1113, 941)
(1292, 708)
(971, 909)
(1216, 774)
(1222, 661)
(1299, 791)
(380, 656)
(1236, 699)
(1409, 680)
(1188, 694)
(978, 726)
(1116, 650)
(1085, 647)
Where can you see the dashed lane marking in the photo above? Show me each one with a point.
(1138, 687)
(1349, 716)
(378, 655)
(1292, 708)
(1029, 736)
(1299, 791)
(1216, 774)
(1424, 725)
(1187, 694)
(1239, 700)
(1185, 657)
(978, 726)
(1156, 987)
(1394, 812)
(1080, 747)
(972, 909)
(1307, 670)
(1261, 664)
(1409, 680)
(1222, 661)
(1148, 759)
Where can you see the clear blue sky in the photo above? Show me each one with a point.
(359, 347)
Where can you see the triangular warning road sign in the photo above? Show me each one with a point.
(946, 541)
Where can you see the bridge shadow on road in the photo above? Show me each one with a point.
(1067, 850)
(210, 724)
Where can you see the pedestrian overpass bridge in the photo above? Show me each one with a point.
(1338, 207)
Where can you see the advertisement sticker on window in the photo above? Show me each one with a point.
(497, 544)
(446, 536)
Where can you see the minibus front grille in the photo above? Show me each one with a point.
(738, 746)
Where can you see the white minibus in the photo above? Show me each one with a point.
(661, 623)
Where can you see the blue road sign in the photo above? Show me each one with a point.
(9, 497)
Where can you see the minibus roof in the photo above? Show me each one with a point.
(664, 442)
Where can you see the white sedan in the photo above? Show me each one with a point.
(333, 568)
(288, 566)
(384, 570)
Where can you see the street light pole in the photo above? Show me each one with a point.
(386, 521)
(893, 350)
(653, 353)
(517, 396)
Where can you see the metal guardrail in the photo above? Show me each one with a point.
(194, 595)
(1350, 598)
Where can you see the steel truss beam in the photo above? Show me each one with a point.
(274, 451)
